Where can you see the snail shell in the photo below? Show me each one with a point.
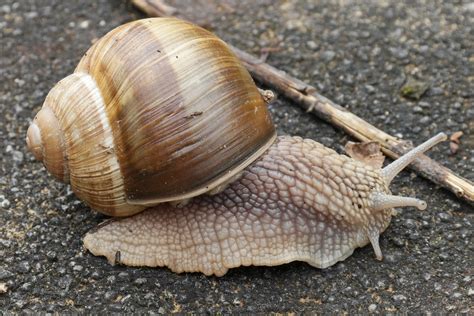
(157, 110)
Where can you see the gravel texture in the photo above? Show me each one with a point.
(358, 53)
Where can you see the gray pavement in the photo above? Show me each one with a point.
(357, 53)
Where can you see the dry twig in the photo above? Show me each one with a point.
(307, 98)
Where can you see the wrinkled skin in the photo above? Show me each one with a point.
(299, 201)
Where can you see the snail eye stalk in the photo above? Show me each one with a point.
(390, 171)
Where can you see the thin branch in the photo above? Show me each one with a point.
(155, 7)
(306, 97)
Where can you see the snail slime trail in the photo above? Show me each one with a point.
(134, 126)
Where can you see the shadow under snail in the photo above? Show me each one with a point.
(160, 110)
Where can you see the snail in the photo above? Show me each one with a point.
(160, 110)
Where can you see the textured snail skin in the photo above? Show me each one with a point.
(299, 201)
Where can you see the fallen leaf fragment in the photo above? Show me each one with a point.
(454, 142)
(414, 89)
(367, 152)
(455, 137)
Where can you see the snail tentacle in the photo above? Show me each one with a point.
(384, 201)
(374, 241)
(390, 171)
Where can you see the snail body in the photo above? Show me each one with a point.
(299, 201)
(160, 110)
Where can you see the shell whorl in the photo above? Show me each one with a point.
(88, 144)
(45, 140)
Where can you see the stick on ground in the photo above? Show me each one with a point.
(306, 97)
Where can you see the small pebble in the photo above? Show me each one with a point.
(312, 45)
(24, 267)
(51, 254)
(417, 109)
(84, 24)
(110, 295)
(31, 15)
(399, 53)
(20, 303)
(372, 308)
(5, 204)
(140, 281)
(149, 296)
(425, 120)
(392, 257)
(78, 268)
(327, 55)
(26, 286)
(445, 256)
(5, 9)
(435, 91)
(123, 274)
(19, 82)
(65, 281)
(399, 298)
(409, 223)
(5, 274)
(445, 217)
(370, 89)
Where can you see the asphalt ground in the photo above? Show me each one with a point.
(360, 54)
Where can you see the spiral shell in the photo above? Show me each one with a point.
(157, 110)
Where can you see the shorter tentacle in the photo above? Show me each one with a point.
(381, 201)
(374, 240)
(390, 171)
